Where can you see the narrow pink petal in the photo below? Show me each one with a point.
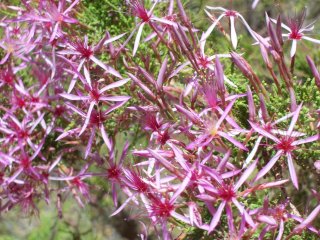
(162, 160)
(5, 130)
(254, 4)
(152, 7)
(272, 184)
(178, 156)
(21, 89)
(213, 25)
(89, 145)
(311, 39)
(141, 85)
(35, 124)
(114, 85)
(292, 171)
(244, 212)
(282, 119)
(37, 150)
(232, 140)
(230, 174)
(14, 176)
(307, 140)
(87, 76)
(294, 120)
(87, 118)
(281, 229)
(122, 206)
(206, 197)
(263, 132)
(165, 21)
(178, 69)
(71, 6)
(5, 58)
(191, 115)
(113, 107)
(105, 137)
(75, 109)
(212, 173)
(315, 213)
(162, 72)
(224, 161)
(137, 40)
(74, 97)
(68, 52)
(245, 175)
(180, 217)
(114, 38)
(54, 164)
(253, 152)
(267, 219)
(216, 218)
(115, 98)
(269, 165)
(230, 219)
(54, 32)
(225, 113)
(293, 48)
(106, 67)
(234, 38)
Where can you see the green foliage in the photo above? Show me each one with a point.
(103, 15)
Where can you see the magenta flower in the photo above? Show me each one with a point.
(18, 46)
(296, 31)
(84, 52)
(22, 165)
(275, 217)
(212, 131)
(232, 15)
(146, 17)
(285, 145)
(51, 16)
(95, 95)
(20, 132)
(226, 191)
(96, 121)
(75, 182)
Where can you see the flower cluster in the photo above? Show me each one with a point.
(202, 165)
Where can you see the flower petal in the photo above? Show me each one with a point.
(216, 218)
(114, 85)
(269, 165)
(293, 48)
(292, 171)
(234, 38)
(137, 40)
(263, 132)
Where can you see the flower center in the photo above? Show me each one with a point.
(113, 173)
(203, 62)
(25, 163)
(163, 137)
(295, 35)
(86, 52)
(231, 13)
(59, 110)
(139, 11)
(22, 134)
(96, 118)
(162, 209)
(95, 95)
(226, 192)
(268, 127)
(286, 144)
